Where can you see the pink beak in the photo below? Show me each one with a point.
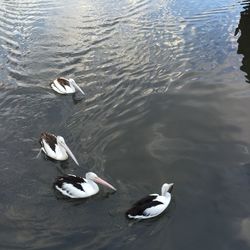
(101, 181)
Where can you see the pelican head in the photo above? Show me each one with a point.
(72, 82)
(93, 177)
(61, 142)
(166, 188)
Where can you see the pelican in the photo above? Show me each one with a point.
(151, 205)
(65, 86)
(78, 187)
(55, 147)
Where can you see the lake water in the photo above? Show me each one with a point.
(167, 100)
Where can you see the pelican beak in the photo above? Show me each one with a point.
(170, 189)
(101, 181)
(76, 86)
(64, 145)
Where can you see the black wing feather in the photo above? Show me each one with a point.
(50, 139)
(140, 206)
(63, 82)
(71, 179)
(145, 200)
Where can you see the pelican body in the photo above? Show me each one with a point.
(65, 86)
(78, 187)
(151, 205)
(55, 147)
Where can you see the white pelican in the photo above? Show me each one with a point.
(78, 187)
(65, 86)
(55, 147)
(151, 205)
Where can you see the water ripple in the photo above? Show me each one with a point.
(155, 74)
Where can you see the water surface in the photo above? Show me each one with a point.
(168, 99)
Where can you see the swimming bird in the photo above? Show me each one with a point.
(78, 187)
(151, 205)
(55, 147)
(65, 86)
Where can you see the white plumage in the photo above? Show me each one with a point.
(78, 187)
(65, 86)
(151, 205)
(55, 147)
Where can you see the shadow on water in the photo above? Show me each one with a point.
(63, 165)
(244, 39)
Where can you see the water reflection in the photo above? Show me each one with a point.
(245, 229)
(131, 126)
(244, 39)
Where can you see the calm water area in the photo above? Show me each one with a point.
(167, 100)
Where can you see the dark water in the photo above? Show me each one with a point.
(168, 99)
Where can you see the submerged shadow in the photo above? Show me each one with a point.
(63, 164)
(244, 39)
(76, 97)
